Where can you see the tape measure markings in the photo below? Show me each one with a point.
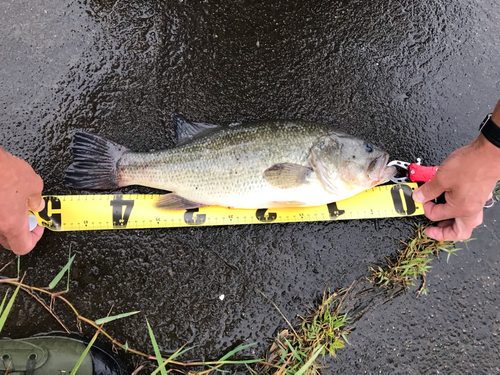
(136, 211)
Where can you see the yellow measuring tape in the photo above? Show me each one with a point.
(136, 211)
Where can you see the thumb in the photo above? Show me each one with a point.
(428, 191)
(36, 203)
(35, 200)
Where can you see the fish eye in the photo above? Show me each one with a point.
(368, 147)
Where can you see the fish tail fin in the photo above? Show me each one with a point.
(94, 165)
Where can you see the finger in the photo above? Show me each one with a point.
(428, 191)
(30, 243)
(35, 200)
(455, 232)
(36, 234)
(438, 212)
(3, 242)
(40, 207)
(459, 229)
(445, 223)
(437, 233)
(22, 241)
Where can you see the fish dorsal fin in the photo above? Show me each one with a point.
(187, 130)
(287, 175)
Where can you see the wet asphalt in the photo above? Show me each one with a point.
(414, 77)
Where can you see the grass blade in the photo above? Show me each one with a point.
(87, 349)
(69, 260)
(242, 362)
(236, 350)
(5, 313)
(115, 317)
(3, 302)
(217, 369)
(85, 352)
(171, 358)
(61, 273)
(158, 356)
(310, 362)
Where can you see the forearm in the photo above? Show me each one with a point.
(487, 152)
(488, 156)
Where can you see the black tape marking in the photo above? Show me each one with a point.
(260, 214)
(120, 217)
(54, 220)
(334, 211)
(191, 219)
(398, 203)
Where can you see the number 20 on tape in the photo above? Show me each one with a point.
(137, 211)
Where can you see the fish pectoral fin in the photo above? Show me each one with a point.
(173, 201)
(287, 175)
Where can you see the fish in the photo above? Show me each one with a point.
(264, 164)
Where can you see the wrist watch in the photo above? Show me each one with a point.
(490, 131)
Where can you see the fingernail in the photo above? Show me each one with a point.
(42, 205)
(418, 196)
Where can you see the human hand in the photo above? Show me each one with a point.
(467, 178)
(20, 189)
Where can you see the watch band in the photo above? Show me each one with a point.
(490, 131)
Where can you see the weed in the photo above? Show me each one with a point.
(411, 262)
(321, 333)
(98, 325)
(496, 192)
(5, 312)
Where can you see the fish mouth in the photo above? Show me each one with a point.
(379, 172)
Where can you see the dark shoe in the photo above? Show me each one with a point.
(46, 355)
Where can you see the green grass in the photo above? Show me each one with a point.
(85, 352)
(36, 292)
(496, 192)
(299, 352)
(412, 262)
(320, 334)
(5, 312)
(159, 359)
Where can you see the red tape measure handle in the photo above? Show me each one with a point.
(419, 173)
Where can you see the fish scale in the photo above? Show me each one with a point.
(224, 166)
(264, 164)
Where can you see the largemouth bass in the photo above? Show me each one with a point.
(257, 165)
